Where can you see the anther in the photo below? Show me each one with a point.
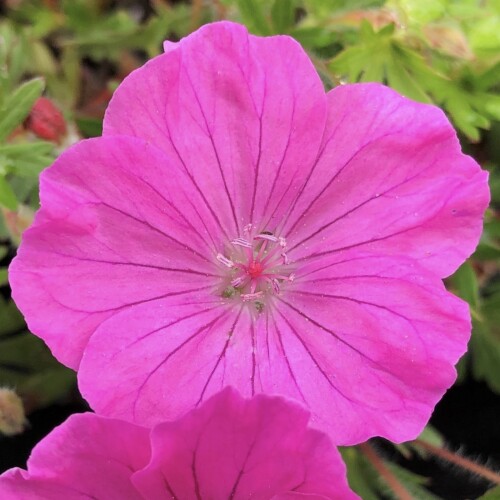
(242, 243)
(268, 237)
(247, 297)
(224, 260)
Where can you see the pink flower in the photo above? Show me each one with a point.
(237, 226)
(228, 448)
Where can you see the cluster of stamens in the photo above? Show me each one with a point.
(258, 266)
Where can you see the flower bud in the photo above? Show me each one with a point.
(46, 120)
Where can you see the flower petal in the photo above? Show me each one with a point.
(112, 233)
(85, 457)
(237, 448)
(391, 179)
(16, 484)
(244, 116)
(369, 340)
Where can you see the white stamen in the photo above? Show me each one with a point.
(242, 243)
(225, 261)
(247, 297)
(268, 237)
(238, 281)
(276, 285)
(282, 242)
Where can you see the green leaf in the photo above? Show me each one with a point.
(89, 127)
(18, 105)
(11, 320)
(492, 494)
(283, 15)
(361, 476)
(485, 352)
(431, 436)
(252, 13)
(3, 276)
(422, 11)
(412, 482)
(465, 284)
(48, 387)
(27, 364)
(7, 197)
(27, 159)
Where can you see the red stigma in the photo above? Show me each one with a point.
(254, 269)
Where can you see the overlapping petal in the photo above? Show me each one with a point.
(85, 457)
(228, 448)
(237, 448)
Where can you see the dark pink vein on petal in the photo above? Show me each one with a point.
(141, 221)
(130, 304)
(219, 358)
(313, 359)
(360, 205)
(172, 323)
(162, 197)
(198, 332)
(254, 361)
(136, 264)
(183, 163)
(355, 245)
(216, 153)
(259, 155)
(195, 477)
(278, 171)
(337, 174)
(318, 158)
(287, 361)
(155, 229)
(242, 470)
(169, 488)
(356, 301)
(374, 363)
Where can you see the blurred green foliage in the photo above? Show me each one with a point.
(76, 52)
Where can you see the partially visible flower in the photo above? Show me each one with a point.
(228, 448)
(12, 417)
(46, 120)
(17, 221)
(238, 226)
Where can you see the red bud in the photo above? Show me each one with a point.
(46, 120)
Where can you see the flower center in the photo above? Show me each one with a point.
(256, 267)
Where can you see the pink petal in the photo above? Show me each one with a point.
(371, 340)
(244, 116)
(109, 236)
(237, 448)
(16, 484)
(391, 179)
(87, 456)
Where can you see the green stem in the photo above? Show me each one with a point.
(462, 462)
(391, 480)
